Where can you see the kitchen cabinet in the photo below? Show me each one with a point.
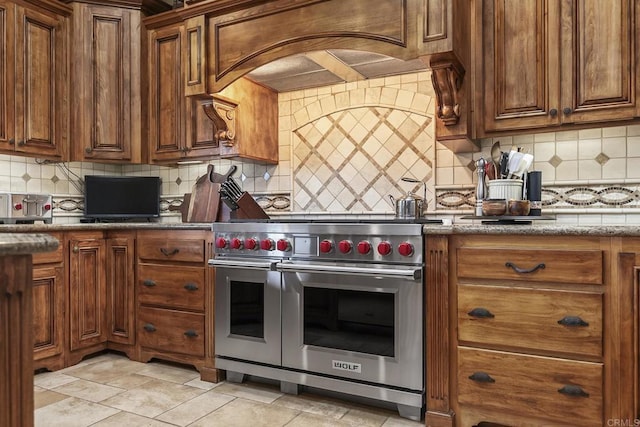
(87, 294)
(576, 57)
(49, 308)
(34, 107)
(120, 297)
(175, 298)
(106, 70)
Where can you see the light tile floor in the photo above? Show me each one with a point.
(111, 390)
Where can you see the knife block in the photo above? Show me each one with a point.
(248, 208)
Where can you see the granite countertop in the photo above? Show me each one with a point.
(549, 229)
(49, 228)
(22, 243)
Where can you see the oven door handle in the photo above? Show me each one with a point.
(411, 272)
(251, 265)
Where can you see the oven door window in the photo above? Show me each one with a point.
(247, 309)
(350, 320)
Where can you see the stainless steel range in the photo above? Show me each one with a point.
(335, 306)
(25, 208)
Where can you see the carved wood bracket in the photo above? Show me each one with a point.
(447, 77)
(223, 115)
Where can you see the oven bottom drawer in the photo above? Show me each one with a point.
(565, 391)
(171, 331)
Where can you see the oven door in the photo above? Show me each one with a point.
(247, 304)
(358, 322)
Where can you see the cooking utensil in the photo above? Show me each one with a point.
(410, 206)
(495, 155)
(490, 170)
(504, 164)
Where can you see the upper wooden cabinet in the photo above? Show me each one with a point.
(106, 67)
(33, 79)
(549, 63)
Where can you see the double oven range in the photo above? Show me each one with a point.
(336, 306)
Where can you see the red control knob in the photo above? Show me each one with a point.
(267, 244)
(364, 247)
(221, 242)
(47, 207)
(384, 248)
(251, 244)
(405, 249)
(236, 243)
(326, 246)
(17, 206)
(345, 246)
(284, 245)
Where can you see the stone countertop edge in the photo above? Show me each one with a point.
(49, 228)
(534, 229)
(26, 243)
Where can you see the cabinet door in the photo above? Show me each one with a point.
(40, 83)
(166, 95)
(106, 70)
(48, 311)
(87, 291)
(599, 57)
(120, 290)
(521, 53)
(7, 70)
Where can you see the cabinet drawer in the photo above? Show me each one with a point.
(171, 331)
(171, 250)
(50, 257)
(566, 266)
(171, 286)
(568, 392)
(542, 319)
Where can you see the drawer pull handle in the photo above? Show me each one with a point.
(517, 269)
(573, 390)
(572, 321)
(191, 287)
(191, 333)
(481, 377)
(149, 327)
(481, 313)
(149, 283)
(167, 252)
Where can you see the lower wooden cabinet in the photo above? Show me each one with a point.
(175, 298)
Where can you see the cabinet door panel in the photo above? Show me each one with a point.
(6, 78)
(166, 91)
(87, 291)
(521, 69)
(40, 50)
(120, 290)
(603, 54)
(48, 311)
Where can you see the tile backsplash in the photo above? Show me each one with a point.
(344, 148)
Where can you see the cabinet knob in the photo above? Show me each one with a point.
(191, 287)
(12, 141)
(149, 283)
(553, 112)
(191, 333)
(76, 249)
(481, 377)
(149, 327)
(21, 143)
(88, 150)
(567, 111)
(573, 390)
(572, 321)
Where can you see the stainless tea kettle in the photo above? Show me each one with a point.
(410, 206)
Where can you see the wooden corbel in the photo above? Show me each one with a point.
(223, 115)
(447, 76)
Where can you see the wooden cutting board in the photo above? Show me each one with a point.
(205, 199)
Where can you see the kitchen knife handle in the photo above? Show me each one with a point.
(573, 390)
(481, 377)
(572, 321)
(481, 313)
(517, 269)
(167, 252)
